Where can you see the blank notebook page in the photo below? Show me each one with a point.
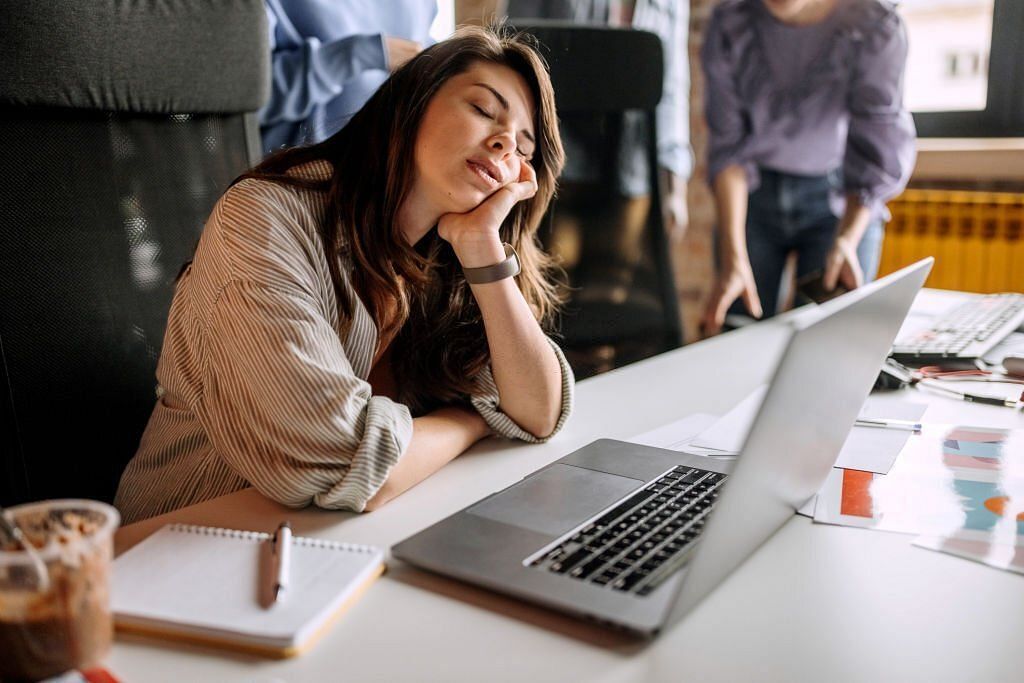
(208, 581)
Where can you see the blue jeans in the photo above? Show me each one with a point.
(792, 213)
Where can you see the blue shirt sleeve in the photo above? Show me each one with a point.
(880, 146)
(306, 73)
(671, 22)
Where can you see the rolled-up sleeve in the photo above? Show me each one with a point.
(672, 23)
(306, 73)
(728, 126)
(880, 149)
(284, 408)
(485, 401)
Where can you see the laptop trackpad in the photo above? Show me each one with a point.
(556, 499)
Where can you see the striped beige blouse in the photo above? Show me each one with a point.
(257, 387)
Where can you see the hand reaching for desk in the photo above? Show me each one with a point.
(842, 266)
(736, 281)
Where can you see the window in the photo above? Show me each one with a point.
(965, 67)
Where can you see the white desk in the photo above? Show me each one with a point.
(814, 603)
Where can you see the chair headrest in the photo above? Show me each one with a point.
(145, 56)
(597, 68)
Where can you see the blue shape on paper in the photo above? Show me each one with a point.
(973, 495)
(990, 451)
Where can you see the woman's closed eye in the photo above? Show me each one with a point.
(483, 112)
(487, 115)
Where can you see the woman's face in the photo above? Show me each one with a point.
(475, 135)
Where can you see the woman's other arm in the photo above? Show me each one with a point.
(729, 171)
(437, 438)
(287, 413)
(880, 149)
(735, 277)
(841, 263)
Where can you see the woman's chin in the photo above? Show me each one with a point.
(465, 202)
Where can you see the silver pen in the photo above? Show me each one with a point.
(282, 559)
(888, 424)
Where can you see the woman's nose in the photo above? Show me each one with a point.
(504, 143)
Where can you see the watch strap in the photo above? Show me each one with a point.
(510, 267)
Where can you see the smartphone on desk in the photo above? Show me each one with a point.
(812, 286)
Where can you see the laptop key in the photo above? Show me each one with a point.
(568, 562)
(627, 582)
(621, 545)
(625, 506)
(587, 568)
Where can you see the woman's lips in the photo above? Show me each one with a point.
(481, 171)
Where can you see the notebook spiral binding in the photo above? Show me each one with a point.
(260, 536)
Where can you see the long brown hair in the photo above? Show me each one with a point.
(439, 347)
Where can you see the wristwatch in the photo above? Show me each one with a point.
(510, 267)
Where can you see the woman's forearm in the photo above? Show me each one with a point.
(730, 190)
(854, 221)
(437, 438)
(526, 370)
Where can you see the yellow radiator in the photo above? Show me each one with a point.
(977, 238)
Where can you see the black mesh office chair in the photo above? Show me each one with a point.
(120, 126)
(600, 76)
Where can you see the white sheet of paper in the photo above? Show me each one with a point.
(951, 481)
(1007, 557)
(874, 450)
(728, 433)
(866, 448)
(675, 435)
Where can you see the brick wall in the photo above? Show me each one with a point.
(693, 258)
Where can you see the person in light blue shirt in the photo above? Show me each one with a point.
(328, 58)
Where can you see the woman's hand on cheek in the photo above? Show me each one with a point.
(474, 235)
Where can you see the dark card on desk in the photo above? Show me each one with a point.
(812, 286)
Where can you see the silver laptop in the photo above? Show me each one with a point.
(634, 537)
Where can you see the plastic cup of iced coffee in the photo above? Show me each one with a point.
(46, 630)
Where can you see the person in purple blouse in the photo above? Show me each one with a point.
(808, 137)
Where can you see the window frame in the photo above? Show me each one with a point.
(1003, 115)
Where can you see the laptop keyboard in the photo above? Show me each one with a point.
(640, 542)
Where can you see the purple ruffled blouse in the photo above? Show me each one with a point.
(810, 100)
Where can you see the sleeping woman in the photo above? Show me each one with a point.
(361, 311)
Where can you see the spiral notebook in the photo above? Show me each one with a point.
(208, 585)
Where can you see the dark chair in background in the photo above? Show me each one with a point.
(624, 305)
(120, 126)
